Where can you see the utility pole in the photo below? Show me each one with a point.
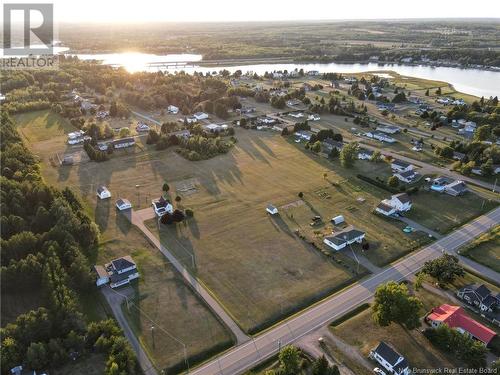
(153, 336)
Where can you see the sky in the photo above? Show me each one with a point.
(140, 11)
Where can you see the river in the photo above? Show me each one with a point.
(470, 81)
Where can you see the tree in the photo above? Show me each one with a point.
(289, 360)
(321, 367)
(334, 154)
(444, 269)
(438, 91)
(427, 92)
(482, 133)
(393, 181)
(178, 216)
(316, 147)
(165, 187)
(376, 157)
(124, 132)
(301, 194)
(178, 199)
(349, 154)
(36, 356)
(113, 111)
(393, 304)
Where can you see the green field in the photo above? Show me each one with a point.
(443, 212)
(486, 249)
(42, 125)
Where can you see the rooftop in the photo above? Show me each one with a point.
(455, 317)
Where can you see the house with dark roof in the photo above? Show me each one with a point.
(401, 166)
(456, 188)
(124, 142)
(118, 272)
(480, 297)
(329, 144)
(390, 359)
(103, 192)
(364, 154)
(344, 238)
(271, 209)
(407, 176)
(455, 317)
(162, 206)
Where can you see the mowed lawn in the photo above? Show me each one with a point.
(42, 125)
(486, 249)
(411, 344)
(443, 212)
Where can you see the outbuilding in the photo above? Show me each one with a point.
(123, 204)
(103, 192)
(271, 209)
(338, 220)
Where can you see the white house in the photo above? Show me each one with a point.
(344, 238)
(121, 271)
(200, 116)
(388, 129)
(313, 117)
(385, 208)
(364, 154)
(407, 177)
(401, 202)
(401, 166)
(162, 206)
(172, 109)
(102, 275)
(391, 360)
(271, 209)
(142, 127)
(123, 204)
(381, 137)
(124, 142)
(398, 203)
(103, 192)
(304, 134)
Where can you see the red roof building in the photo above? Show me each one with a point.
(455, 317)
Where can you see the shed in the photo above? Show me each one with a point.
(102, 275)
(271, 209)
(338, 220)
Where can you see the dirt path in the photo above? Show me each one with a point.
(310, 345)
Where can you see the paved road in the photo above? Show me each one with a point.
(429, 168)
(137, 218)
(115, 300)
(246, 356)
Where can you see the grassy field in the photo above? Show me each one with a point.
(411, 344)
(42, 125)
(161, 294)
(257, 250)
(443, 212)
(486, 249)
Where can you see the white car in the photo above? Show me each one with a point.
(378, 371)
(297, 141)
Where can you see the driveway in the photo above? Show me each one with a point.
(137, 218)
(419, 227)
(115, 300)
